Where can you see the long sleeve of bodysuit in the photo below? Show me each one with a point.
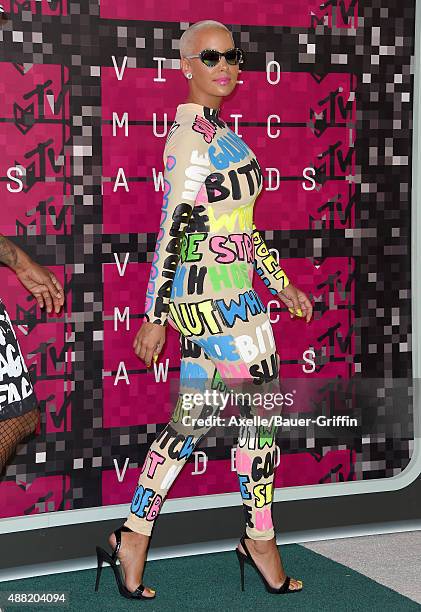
(266, 265)
(186, 166)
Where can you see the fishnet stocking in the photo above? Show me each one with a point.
(13, 431)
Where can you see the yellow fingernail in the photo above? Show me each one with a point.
(152, 591)
(155, 357)
(298, 312)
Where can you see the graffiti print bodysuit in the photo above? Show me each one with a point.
(207, 244)
(201, 283)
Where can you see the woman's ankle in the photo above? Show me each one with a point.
(262, 546)
(130, 529)
(139, 539)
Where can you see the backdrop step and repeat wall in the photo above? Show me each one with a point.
(88, 92)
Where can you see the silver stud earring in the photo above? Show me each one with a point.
(189, 75)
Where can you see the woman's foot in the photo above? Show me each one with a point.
(265, 554)
(132, 556)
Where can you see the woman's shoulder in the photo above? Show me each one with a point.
(187, 128)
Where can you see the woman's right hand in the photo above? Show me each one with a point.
(149, 341)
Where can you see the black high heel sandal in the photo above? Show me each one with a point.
(102, 556)
(242, 558)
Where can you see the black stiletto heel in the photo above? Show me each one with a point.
(102, 556)
(241, 562)
(247, 558)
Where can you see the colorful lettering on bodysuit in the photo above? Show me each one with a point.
(265, 372)
(180, 409)
(234, 247)
(140, 500)
(247, 302)
(263, 467)
(263, 519)
(192, 375)
(242, 217)
(271, 269)
(171, 438)
(267, 435)
(195, 174)
(232, 148)
(235, 276)
(243, 480)
(263, 494)
(242, 461)
(247, 346)
(205, 127)
(189, 247)
(155, 508)
(221, 347)
(193, 319)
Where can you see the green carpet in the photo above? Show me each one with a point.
(212, 582)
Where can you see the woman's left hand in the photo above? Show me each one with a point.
(297, 300)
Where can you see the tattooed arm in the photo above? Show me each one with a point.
(42, 283)
(8, 252)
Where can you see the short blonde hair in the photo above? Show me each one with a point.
(187, 38)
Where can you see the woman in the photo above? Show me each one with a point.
(200, 283)
(19, 412)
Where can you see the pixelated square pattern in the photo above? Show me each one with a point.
(325, 102)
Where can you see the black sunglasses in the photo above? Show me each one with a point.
(211, 57)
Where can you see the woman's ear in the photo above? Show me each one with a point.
(185, 67)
